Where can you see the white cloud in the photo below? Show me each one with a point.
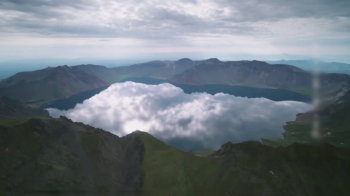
(157, 26)
(188, 121)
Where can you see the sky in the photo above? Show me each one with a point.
(135, 30)
(169, 114)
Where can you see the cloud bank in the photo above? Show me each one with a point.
(188, 121)
(75, 28)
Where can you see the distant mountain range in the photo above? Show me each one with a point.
(43, 156)
(309, 65)
(38, 87)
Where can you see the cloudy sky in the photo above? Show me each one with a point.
(188, 121)
(122, 29)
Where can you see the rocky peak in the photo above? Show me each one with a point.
(63, 66)
(213, 61)
(184, 61)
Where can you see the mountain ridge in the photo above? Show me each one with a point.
(64, 81)
(310, 65)
(48, 84)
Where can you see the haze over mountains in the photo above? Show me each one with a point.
(9, 68)
(310, 65)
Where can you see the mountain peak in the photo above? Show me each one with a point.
(213, 60)
(184, 61)
(63, 66)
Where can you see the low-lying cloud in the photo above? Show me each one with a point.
(188, 121)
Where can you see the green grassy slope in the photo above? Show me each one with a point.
(46, 155)
(43, 155)
(335, 129)
(246, 169)
(12, 110)
(59, 156)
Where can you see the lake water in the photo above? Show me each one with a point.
(240, 91)
(201, 118)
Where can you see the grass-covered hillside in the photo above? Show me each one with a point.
(248, 168)
(334, 129)
(45, 155)
(59, 156)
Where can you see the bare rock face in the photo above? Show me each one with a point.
(263, 75)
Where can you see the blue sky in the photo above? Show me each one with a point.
(134, 30)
